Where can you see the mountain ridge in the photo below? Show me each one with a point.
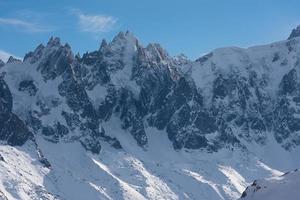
(125, 101)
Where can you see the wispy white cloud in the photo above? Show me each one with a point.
(23, 25)
(4, 55)
(95, 24)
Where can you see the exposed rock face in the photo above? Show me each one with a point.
(12, 129)
(236, 107)
(275, 188)
(295, 33)
(1, 63)
(57, 65)
(230, 97)
(11, 59)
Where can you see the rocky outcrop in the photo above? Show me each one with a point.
(275, 188)
(229, 97)
(295, 33)
(1, 63)
(12, 129)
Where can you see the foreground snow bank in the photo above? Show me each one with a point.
(158, 172)
(281, 187)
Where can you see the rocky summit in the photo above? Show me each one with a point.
(129, 121)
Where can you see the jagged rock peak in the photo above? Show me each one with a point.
(2, 63)
(37, 53)
(67, 45)
(124, 38)
(11, 59)
(156, 50)
(295, 33)
(77, 56)
(39, 48)
(103, 44)
(181, 59)
(154, 46)
(127, 34)
(53, 41)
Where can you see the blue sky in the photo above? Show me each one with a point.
(192, 27)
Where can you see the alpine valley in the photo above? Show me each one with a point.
(132, 122)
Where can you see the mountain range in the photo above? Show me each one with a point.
(129, 121)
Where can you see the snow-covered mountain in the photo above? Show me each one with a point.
(285, 186)
(132, 122)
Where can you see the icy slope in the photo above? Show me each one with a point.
(275, 188)
(22, 175)
(128, 174)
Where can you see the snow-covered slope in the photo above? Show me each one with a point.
(281, 187)
(131, 173)
(131, 122)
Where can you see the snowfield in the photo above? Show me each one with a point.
(133, 173)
